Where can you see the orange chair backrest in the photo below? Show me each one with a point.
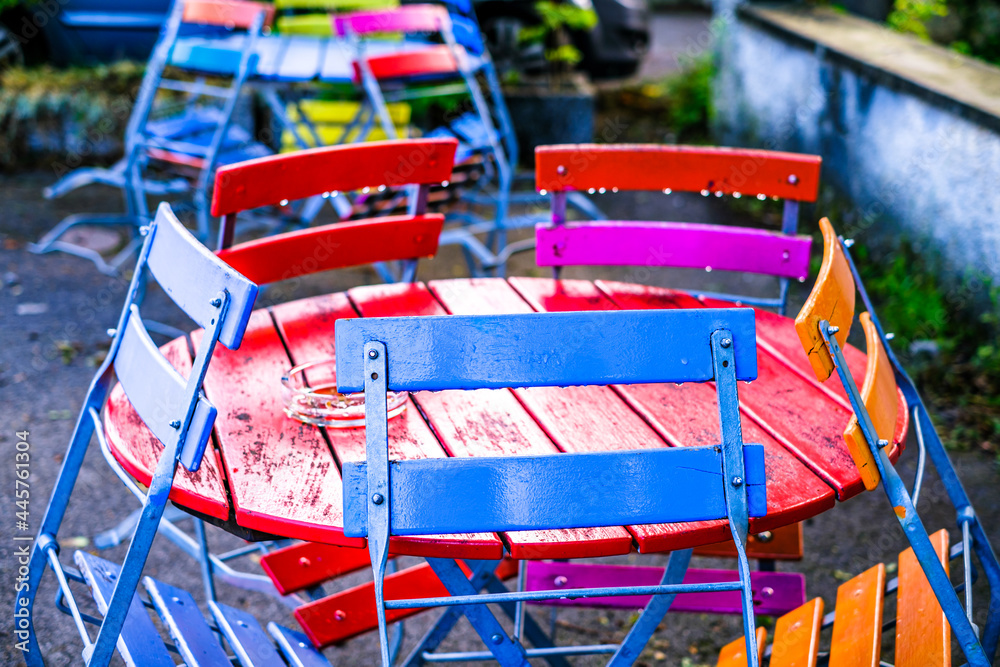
(227, 13)
(831, 299)
(881, 400)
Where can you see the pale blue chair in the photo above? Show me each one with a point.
(174, 409)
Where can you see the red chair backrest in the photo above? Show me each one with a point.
(679, 168)
(604, 168)
(302, 174)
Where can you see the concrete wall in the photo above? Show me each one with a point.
(911, 160)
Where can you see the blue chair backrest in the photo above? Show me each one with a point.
(211, 293)
(544, 349)
(550, 349)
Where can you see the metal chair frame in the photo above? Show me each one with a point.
(143, 135)
(176, 412)
(978, 645)
(500, 145)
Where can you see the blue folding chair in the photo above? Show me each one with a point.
(179, 130)
(560, 491)
(823, 325)
(488, 150)
(174, 409)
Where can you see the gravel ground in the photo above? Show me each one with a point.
(56, 309)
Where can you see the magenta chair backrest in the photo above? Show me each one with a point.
(677, 244)
(610, 168)
(408, 19)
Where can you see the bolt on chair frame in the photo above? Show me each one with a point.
(823, 326)
(416, 498)
(174, 409)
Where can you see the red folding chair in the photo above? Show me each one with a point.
(563, 170)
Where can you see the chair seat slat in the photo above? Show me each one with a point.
(857, 629)
(775, 593)
(734, 654)
(245, 636)
(336, 246)
(796, 636)
(349, 613)
(688, 168)
(346, 168)
(296, 647)
(192, 635)
(923, 636)
(674, 244)
(307, 564)
(422, 493)
(139, 644)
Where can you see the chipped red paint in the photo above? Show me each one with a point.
(283, 477)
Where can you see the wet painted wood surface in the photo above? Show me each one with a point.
(272, 473)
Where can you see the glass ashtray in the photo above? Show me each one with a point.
(309, 392)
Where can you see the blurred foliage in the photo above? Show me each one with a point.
(54, 107)
(556, 19)
(912, 15)
(970, 27)
(675, 110)
(946, 334)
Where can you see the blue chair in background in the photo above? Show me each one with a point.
(180, 129)
(561, 491)
(455, 65)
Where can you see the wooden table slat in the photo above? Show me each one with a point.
(138, 450)
(492, 423)
(681, 416)
(282, 476)
(307, 327)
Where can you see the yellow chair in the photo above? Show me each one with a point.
(329, 122)
(338, 122)
(312, 17)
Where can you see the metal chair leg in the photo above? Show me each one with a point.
(654, 612)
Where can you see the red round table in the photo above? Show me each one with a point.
(270, 473)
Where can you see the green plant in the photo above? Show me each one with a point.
(557, 19)
(677, 109)
(96, 100)
(690, 94)
(957, 317)
(976, 24)
(911, 16)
